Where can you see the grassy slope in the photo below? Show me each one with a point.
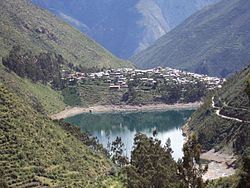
(216, 131)
(215, 40)
(35, 150)
(39, 96)
(19, 21)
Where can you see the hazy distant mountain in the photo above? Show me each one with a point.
(214, 41)
(126, 26)
(35, 29)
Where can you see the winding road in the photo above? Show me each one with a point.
(218, 109)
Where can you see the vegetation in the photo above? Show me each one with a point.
(24, 24)
(28, 155)
(71, 96)
(41, 97)
(208, 42)
(152, 165)
(214, 131)
(117, 152)
(230, 135)
(190, 168)
(84, 137)
(94, 92)
(46, 67)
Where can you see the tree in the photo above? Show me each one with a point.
(131, 93)
(172, 94)
(117, 149)
(151, 164)
(247, 89)
(245, 172)
(45, 67)
(3, 184)
(190, 169)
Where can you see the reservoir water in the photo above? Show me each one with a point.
(107, 126)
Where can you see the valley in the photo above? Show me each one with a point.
(127, 27)
(72, 114)
(213, 41)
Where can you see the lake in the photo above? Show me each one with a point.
(107, 126)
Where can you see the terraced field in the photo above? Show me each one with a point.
(36, 152)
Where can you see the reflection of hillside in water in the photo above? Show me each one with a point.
(106, 127)
(119, 122)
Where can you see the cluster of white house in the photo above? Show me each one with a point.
(119, 78)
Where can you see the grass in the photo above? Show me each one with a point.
(208, 42)
(99, 94)
(231, 181)
(36, 151)
(27, 25)
(41, 97)
(214, 131)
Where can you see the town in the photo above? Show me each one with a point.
(117, 79)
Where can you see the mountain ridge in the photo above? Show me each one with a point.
(33, 28)
(223, 121)
(213, 41)
(107, 22)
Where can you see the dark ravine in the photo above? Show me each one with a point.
(213, 41)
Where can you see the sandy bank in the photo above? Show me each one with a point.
(220, 165)
(72, 111)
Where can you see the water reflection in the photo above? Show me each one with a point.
(125, 125)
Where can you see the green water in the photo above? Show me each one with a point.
(106, 127)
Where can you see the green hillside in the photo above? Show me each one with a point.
(232, 131)
(34, 150)
(39, 96)
(22, 23)
(214, 41)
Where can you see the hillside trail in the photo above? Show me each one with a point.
(218, 109)
(220, 163)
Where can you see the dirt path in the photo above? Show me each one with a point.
(226, 117)
(72, 111)
(220, 165)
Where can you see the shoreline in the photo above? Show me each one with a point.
(73, 111)
(221, 164)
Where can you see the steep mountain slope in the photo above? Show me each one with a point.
(126, 26)
(24, 24)
(214, 41)
(39, 96)
(36, 152)
(224, 120)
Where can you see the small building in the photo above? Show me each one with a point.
(114, 87)
(124, 85)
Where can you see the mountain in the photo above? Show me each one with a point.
(223, 121)
(23, 23)
(38, 152)
(124, 27)
(214, 41)
(28, 155)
